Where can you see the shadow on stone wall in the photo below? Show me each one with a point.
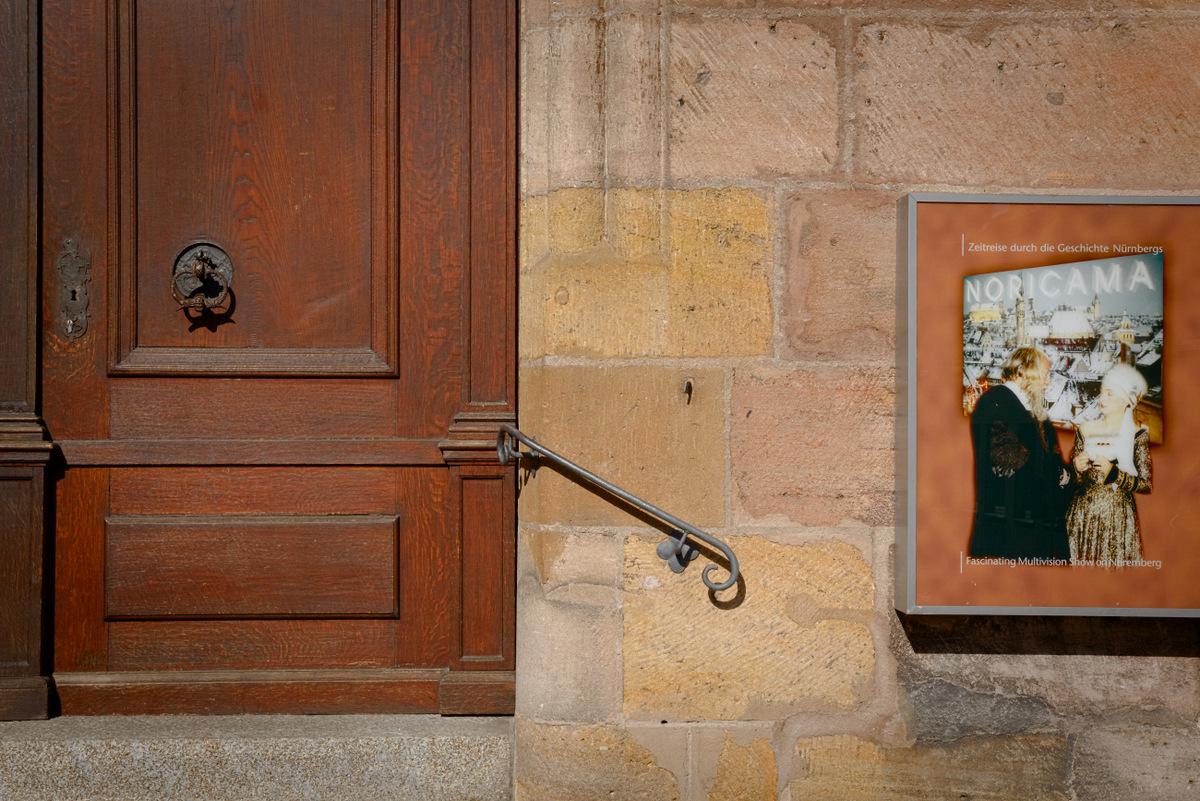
(1094, 636)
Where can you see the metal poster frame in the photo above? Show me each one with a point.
(907, 404)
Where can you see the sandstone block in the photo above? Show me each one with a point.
(634, 426)
(634, 222)
(534, 247)
(574, 557)
(840, 276)
(585, 763)
(575, 106)
(743, 769)
(568, 651)
(1113, 764)
(720, 273)
(707, 4)
(602, 306)
(610, 287)
(567, 7)
(539, 13)
(797, 640)
(814, 445)
(533, 228)
(534, 108)
(569, 627)
(998, 769)
(575, 220)
(1093, 102)
(751, 98)
(633, 113)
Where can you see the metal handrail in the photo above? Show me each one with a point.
(676, 551)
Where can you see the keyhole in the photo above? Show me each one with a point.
(74, 294)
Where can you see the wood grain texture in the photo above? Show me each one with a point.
(490, 380)
(25, 698)
(477, 692)
(484, 552)
(198, 408)
(428, 611)
(251, 644)
(262, 452)
(232, 692)
(424, 573)
(79, 637)
(265, 491)
(18, 225)
(277, 137)
(75, 205)
(23, 449)
(434, 221)
(258, 362)
(21, 566)
(159, 567)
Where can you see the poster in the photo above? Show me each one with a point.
(1046, 428)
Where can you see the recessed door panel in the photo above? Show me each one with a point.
(199, 566)
(260, 129)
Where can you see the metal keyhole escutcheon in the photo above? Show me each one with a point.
(201, 277)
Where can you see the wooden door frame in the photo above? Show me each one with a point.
(24, 446)
(468, 449)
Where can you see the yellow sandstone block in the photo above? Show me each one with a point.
(798, 640)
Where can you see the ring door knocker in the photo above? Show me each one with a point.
(201, 278)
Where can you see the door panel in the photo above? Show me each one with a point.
(250, 645)
(267, 490)
(275, 120)
(296, 491)
(193, 408)
(142, 544)
(228, 566)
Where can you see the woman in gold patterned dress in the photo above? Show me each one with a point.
(1111, 460)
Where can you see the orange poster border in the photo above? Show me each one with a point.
(931, 442)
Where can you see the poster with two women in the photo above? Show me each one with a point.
(1050, 447)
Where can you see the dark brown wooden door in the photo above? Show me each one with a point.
(289, 501)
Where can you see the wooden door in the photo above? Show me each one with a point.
(288, 501)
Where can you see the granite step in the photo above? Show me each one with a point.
(253, 757)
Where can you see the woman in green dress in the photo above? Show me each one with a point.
(1111, 460)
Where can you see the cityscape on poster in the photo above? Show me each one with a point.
(1085, 317)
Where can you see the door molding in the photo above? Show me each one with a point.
(24, 445)
(309, 692)
(127, 354)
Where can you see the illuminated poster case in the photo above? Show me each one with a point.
(1048, 456)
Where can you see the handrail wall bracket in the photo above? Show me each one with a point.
(676, 550)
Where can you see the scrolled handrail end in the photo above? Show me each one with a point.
(715, 586)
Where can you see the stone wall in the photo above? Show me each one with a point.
(708, 195)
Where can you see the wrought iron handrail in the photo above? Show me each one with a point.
(676, 551)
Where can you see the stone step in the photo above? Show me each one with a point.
(253, 757)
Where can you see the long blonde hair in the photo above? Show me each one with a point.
(1022, 366)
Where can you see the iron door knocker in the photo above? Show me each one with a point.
(201, 278)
